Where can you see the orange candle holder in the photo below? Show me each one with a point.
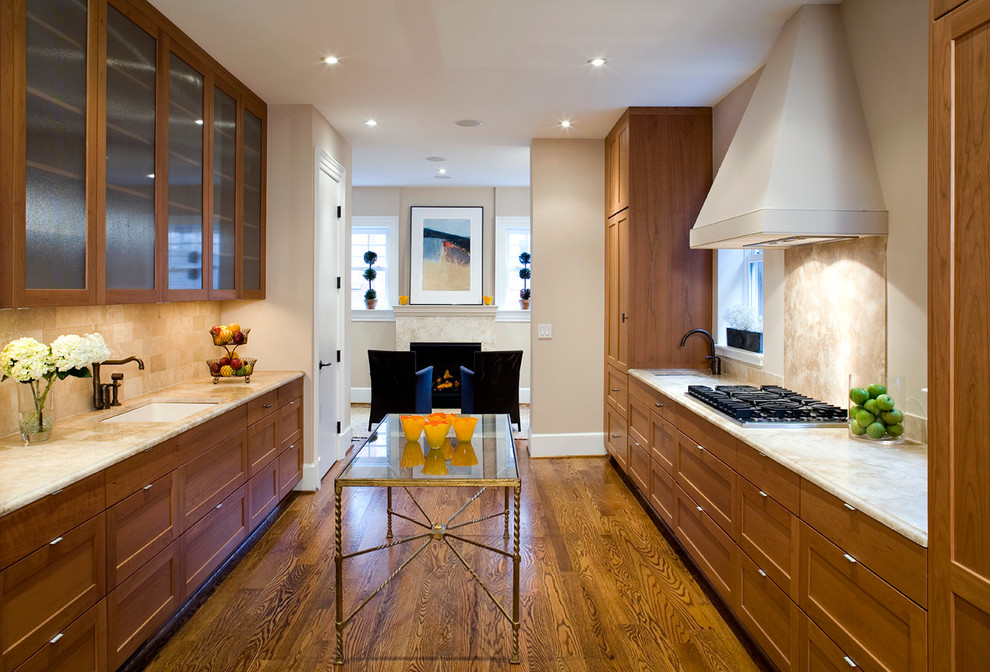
(464, 427)
(436, 432)
(412, 426)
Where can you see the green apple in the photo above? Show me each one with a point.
(885, 402)
(892, 417)
(875, 390)
(876, 430)
(895, 430)
(858, 395)
(865, 418)
(871, 406)
(857, 428)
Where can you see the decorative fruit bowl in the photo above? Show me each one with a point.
(224, 368)
(230, 335)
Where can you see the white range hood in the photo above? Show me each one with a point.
(800, 168)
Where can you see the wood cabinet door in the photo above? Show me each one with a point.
(46, 591)
(211, 477)
(263, 494)
(616, 437)
(770, 534)
(290, 422)
(206, 545)
(139, 527)
(958, 359)
(80, 647)
(877, 626)
(711, 548)
(663, 445)
(708, 480)
(617, 168)
(818, 653)
(262, 444)
(768, 614)
(251, 260)
(639, 420)
(662, 494)
(617, 291)
(143, 603)
(290, 464)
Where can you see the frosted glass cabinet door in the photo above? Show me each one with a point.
(224, 191)
(130, 193)
(55, 145)
(185, 176)
(251, 270)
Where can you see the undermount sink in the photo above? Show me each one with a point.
(162, 411)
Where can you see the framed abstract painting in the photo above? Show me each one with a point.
(446, 245)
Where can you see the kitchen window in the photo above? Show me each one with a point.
(512, 237)
(380, 235)
(740, 292)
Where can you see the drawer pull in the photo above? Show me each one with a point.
(56, 638)
(849, 506)
(614, 389)
(700, 447)
(220, 505)
(58, 491)
(761, 454)
(291, 447)
(54, 541)
(762, 494)
(267, 406)
(849, 661)
(658, 405)
(148, 487)
(848, 557)
(701, 509)
(761, 572)
(615, 436)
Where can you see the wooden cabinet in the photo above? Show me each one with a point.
(818, 653)
(210, 541)
(111, 164)
(142, 604)
(46, 591)
(663, 496)
(711, 548)
(263, 445)
(209, 478)
(770, 535)
(617, 168)
(663, 444)
(769, 476)
(639, 425)
(616, 437)
(80, 647)
(958, 359)
(880, 628)
(617, 291)
(263, 494)
(768, 614)
(141, 526)
(617, 389)
(708, 480)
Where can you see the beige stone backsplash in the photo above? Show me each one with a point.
(171, 339)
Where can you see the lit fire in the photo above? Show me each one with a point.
(446, 382)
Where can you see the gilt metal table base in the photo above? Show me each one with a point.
(435, 531)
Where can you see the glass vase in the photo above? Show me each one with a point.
(876, 408)
(35, 410)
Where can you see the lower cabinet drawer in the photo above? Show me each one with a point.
(617, 388)
(140, 526)
(770, 534)
(211, 477)
(45, 592)
(662, 494)
(290, 420)
(80, 647)
(142, 604)
(290, 463)
(262, 444)
(262, 494)
(877, 626)
(663, 444)
(818, 653)
(616, 437)
(707, 544)
(206, 545)
(639, 463)
(708, 480)
(769, 615)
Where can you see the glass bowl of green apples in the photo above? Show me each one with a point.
(873, 411)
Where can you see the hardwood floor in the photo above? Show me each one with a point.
(601, 589)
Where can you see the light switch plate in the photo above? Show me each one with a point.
(544, 331)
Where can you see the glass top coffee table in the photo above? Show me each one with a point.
(388, 460)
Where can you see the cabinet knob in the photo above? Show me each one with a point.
(56, 638)
(848, 557)
(54, 541)
(849, 661)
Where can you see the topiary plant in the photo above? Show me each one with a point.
(370, 274)
(525, 274)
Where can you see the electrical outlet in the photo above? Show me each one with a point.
(544, 331)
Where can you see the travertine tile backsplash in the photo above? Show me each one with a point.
(171, 338)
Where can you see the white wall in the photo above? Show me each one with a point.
(567, 179)
(282, 324)
(396, 201)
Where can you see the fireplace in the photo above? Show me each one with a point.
(446, 360)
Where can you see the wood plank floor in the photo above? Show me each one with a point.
(601, 589)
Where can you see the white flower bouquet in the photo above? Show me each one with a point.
(38, 366)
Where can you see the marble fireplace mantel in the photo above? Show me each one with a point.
(436, 324)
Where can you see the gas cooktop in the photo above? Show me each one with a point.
(769, 405)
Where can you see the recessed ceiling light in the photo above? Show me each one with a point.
(468, 122)
(442, 177)
(565, 124)
(199, 122)
(442, 171)
(331, 60)
(597, 62)
(435, 158)
(371, 122)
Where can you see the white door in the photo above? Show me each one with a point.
(328, 370)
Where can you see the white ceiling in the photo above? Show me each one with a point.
(520, 66)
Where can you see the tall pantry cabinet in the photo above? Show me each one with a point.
(958, 319)
(658, 172)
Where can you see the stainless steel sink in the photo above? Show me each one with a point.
(162, 411)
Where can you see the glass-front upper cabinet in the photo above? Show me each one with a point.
(224, 238)
(53, 227)
(131, 77)
(253, 218)
(186, 142)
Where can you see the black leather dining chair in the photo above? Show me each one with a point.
(493, 385)
(396, 385)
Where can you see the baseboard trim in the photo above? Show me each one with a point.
(580, 444)
(362, 395)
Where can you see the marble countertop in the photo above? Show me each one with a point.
(81, 445)
(887, 482)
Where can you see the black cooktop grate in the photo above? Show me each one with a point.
(769, 404)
